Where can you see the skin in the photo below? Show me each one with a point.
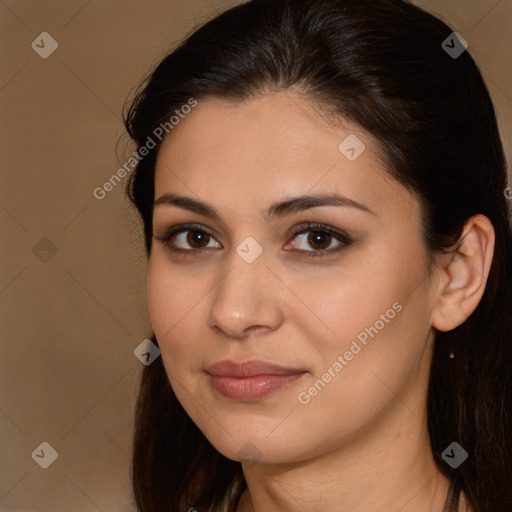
(360, 444)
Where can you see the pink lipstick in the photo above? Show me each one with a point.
(251, 380)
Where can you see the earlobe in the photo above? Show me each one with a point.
(465, 275)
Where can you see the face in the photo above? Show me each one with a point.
(335, 294)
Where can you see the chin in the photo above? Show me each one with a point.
(251, 445)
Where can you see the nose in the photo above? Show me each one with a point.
(247, 299)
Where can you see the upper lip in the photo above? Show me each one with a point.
(249, 369)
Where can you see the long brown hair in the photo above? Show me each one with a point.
(381, 64)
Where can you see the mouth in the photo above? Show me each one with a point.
(251, 380)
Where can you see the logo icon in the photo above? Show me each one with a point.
(45, 455)
(352, 147)
(454, 455)
(249, 453)
(44, 249)
(146, 352)
(454, 45)
(44, 45)
(249, 249)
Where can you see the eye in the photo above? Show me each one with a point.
(320, 239)
(192, 234)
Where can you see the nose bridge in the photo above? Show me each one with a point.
(245, 296)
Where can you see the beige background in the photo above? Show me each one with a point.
(70, 320)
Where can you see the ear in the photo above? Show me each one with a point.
(464, 277)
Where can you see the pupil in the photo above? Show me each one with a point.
(316, 237)
(196, 237)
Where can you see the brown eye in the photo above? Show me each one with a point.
(314, 240)
(187, 239)
(319, 239)
(197, 239)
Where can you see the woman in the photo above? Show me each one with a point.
(321, 185)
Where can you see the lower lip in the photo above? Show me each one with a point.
(252, 388)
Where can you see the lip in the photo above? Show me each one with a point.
(251, 368)
(251, 380)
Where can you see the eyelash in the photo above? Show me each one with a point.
(340, 236)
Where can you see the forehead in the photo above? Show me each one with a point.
(287, 126)
(262, 149)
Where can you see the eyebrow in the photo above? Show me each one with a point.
(275, 210)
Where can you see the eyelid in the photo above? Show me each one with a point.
(338, 234)
(341, 236)
(171, 232)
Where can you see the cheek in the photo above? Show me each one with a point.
(169, 294)
(161, 299)
(361, 303)
(378, 320)
(166, 306)
(176, 304)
